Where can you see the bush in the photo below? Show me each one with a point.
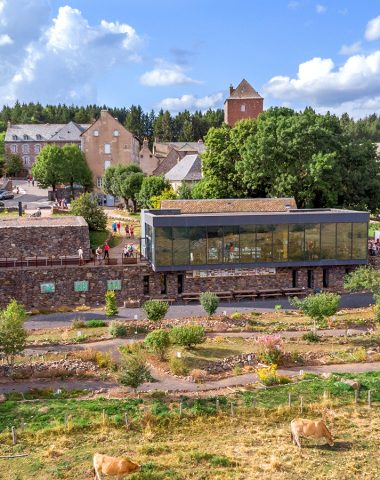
(198, 375)
(177, 367)
(269, 376)
(87, 207)
(12, 332)
(77, 323)
(270, 349)
(95, 324)
(209, 302)
(118, 329)
(311, 337)
(111, 307)
(236, 316)
(158, 342)
(360, 354)
(188, 335)
(134, 371)
(80, 338)
(155, 309)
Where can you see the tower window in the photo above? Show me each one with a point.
(242, 108)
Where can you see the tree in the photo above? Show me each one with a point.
(12, 332)
(2, 152)
(13, 165)
(318, 307)
(184, 191)
(151, 187)
(87, 207)
(158, 342)
(155, 310)
(47, 169)
(75, 168)
(130, 187)
(365, 278)
(167, 194)
(209, 302)
(188, 335)
(134, 371)
(111, 306)
(124, 181)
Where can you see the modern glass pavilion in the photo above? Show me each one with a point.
(294, 238)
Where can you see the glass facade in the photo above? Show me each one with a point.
(256, 243)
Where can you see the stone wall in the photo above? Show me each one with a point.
(43, 237)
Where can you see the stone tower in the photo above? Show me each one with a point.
(243, 102)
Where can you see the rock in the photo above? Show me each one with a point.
(3, 398)
(352, 383)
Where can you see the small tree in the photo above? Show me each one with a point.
(111, 307)
(365, 278)
(75, 168)
(155, 309)
(87, 207)
(158, 342)
(134, 371)
(12, 332)
(151, 187)
(13, 165)
(209, 302)
(318, 307)
(188, 335)
(47, 169)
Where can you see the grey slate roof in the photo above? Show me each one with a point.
(69, 132)
(187, 169)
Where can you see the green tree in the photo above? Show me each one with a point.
(184, 191)
(163, 126)
(130, 187)
(188, 335)
(134, 371)
(75, 168)
(167, 194)
(155, 310)
(111, 306)
(12, 332)
(318, 307)
(13, 165)
(47, 169)
(87, 207)
(365, 278)
(151, 187)
(124, 181)
(2, 153)
(135, 122)
(110, 181)
(209, 302)
(158, 342)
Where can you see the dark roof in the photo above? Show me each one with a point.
(47, 131)
(244, 90)
(187, 169)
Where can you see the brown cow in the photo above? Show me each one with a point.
(301, 427)
(114, 466)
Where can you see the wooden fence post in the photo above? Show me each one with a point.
(14, 436)
(180, 409)
(232, 409)
(301, 400)
(356, 397)
(104, 416)
(254, 402)
(369, 399)
(217, 404)
(126, 419)
(22, 424)
(290, 400)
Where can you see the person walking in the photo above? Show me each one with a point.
(118, 226)
(132, 231)
(80, 255)
(106, 251)
(114, 227)
(98, 253)
(125, 251)
(127, 230)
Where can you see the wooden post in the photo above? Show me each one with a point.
(126, 419)
(14, 436)
(217, 404)
(232, 409)
(369, 399)
(356, 397)
(289, 399)
(301, 400)
(104, 416)
(22, 424)
(254, 402)
(66, 421)
(180, 409)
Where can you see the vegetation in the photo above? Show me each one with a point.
(269, 376)
(178, 366)
(318, 307)
(111, 306)
(311, 337)
(155, 310)
(365, 278)
(12, 332)
(270, 349)
(47, 169)
(134, 371)
(87, 207)
(187, 335)
(118, 329)
(158, 342)
(75, 168)
(209, 302)
(13, 165)
(151, 187)
(124, 181)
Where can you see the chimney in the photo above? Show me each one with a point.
(9, 124)
(231, 89)
(200, 141)
(145, 143)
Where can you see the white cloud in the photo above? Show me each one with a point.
(191, 102)
(320, 8)
(351, 49)
(373, 29)
(165, 74)
(319, 83)
(5, 39)
(59, 60)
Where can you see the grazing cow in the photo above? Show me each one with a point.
(300, 427)
(113, 466)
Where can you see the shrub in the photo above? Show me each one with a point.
(270, 349)
(177, 367)
(198, 375)
(118, 329)
(12, 332)
(268, 376)
(318, 307)
(155, 309)
(111, 307)
(311, 337)
(77, 323)
(95, 324)
(87, 207)
(236, 316)
(278, 308)
(80, 338)
(360, 354)
(209, 302)
(158, 342)
(237, 370)
(134, 371)
(188, 335)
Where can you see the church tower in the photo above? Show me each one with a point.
(243, 102)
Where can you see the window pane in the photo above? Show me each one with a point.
(180, 246)
(296, 242)
(344, 241)
(312, 241)
(231, 244)
(328, 240)
(197, 245)
(264, 240)
(214, 245)
(247, 243)
(163, 245)
(359, 245)
(280, 243)
(148, 241)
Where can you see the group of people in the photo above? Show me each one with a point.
(103, 253)
(30, 180)
(374, 247)
(129, 229)
(61, 204)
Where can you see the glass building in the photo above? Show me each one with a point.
(174, 241)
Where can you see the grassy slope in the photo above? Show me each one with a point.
(254, 444)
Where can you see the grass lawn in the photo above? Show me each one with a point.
(202, 444)
(99, 239)
(372, 227)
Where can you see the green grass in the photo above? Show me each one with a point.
(372, 227)
(99, 239)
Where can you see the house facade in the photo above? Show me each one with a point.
(187, 171)
(244, 102)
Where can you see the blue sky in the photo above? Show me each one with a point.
(181, 54)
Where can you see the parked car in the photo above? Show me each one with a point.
(2, 204)
(4, 195)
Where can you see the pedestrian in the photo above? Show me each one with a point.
(64, 203)
(130, 249)
(98, 253)
(32, 182)
(106, 250)
(127, 230)
(373, 249)
(132, 231)
(80, 255)
(28, 178)
(125, 251)
(118, 226)
(114, 227)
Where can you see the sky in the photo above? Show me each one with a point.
(184, 54)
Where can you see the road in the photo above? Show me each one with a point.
(29, 195)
